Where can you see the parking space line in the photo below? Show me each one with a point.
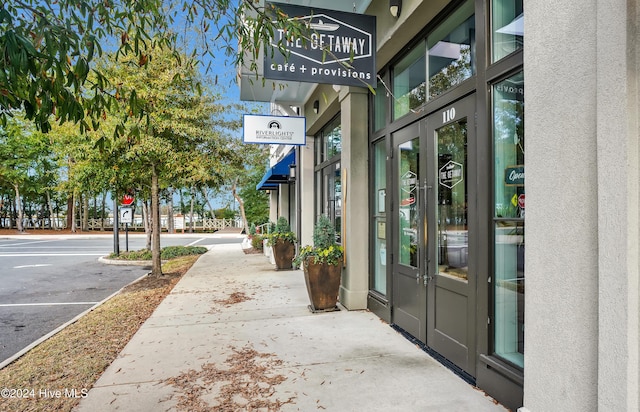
(12, 305)
(196, 241)
(29, 243)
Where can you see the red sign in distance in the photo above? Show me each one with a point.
(521, 201)
(127, 200)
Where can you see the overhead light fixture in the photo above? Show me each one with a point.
(395, 7)
(292, 172)
(316, 106)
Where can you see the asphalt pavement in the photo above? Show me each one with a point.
(47, 281)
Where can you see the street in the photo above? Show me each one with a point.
(48, 280)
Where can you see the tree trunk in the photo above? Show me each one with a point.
(170, 223)
(53, 224)
(191, 211)
(206, 198)
(146, 219)
(18, 204)
(85, 214)
(156, 262)
(70, 211)
(241, 206)
(104, 208)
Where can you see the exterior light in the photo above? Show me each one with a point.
(316, 106)
(395, 7)
(292, 172)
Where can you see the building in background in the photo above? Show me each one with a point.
(425, 183)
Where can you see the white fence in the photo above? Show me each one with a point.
(199, 225)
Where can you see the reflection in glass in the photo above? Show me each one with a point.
(452, 51)
(508, 27)
(379, 108)
(379, 229)
(508, 146)
(337, 204)
(408, 209)
(409, 84)
(509, 291)
(453, 239)
(509, 207)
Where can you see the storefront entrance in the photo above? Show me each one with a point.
(433, 227)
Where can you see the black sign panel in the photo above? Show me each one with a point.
(339, 48)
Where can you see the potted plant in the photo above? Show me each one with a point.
(282, 241)
(322, 265)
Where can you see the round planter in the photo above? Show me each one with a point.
(323, 284)
(283, 253)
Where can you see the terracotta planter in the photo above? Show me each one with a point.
(323, 285)
(283, 253)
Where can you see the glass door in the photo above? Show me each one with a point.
(407, 214)
(450, 132)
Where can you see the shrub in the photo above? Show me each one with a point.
(166, 253)
(256, 242)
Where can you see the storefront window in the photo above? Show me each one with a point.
(379, 108)
(329, 141)
(453, 229)
(409, 82)
(452, 51)
(447, 56)
(379, 219)
(509, 208)
(408, 216)
(328, 176)
(507, 20)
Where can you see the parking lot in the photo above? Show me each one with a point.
(46, 281)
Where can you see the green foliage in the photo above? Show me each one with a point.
(324, 249)
(324, 234)
(252, 229)
(169, 252)
(256, 202)
(256, 242)
(282, 231)
(224, 213)
(282, 225)
(50, 49)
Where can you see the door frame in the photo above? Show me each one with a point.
(427, 281)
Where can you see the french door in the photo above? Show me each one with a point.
(433, 212)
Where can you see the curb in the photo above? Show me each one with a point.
(54, 332)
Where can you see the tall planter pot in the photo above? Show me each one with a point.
(283, 253)
(323, 285)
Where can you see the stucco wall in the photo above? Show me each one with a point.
(581, 337)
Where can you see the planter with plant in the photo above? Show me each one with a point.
(282, 241)
(322, 265)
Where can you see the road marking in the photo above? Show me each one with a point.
(29, 243)
(49, 254)
(195, 241)
(10, 305)
(32, 266)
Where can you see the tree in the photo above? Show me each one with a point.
(49, 50)
(181, 142)
(22, 149)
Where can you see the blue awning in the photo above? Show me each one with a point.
(278, 174)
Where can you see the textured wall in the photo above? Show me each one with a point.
(582, 216)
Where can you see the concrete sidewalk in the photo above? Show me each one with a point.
(234, 329)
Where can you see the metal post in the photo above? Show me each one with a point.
(126, 236)
(116, 239)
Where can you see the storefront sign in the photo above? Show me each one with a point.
(514, 175)
(339, 48)
(274, 129)
(450, 174)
